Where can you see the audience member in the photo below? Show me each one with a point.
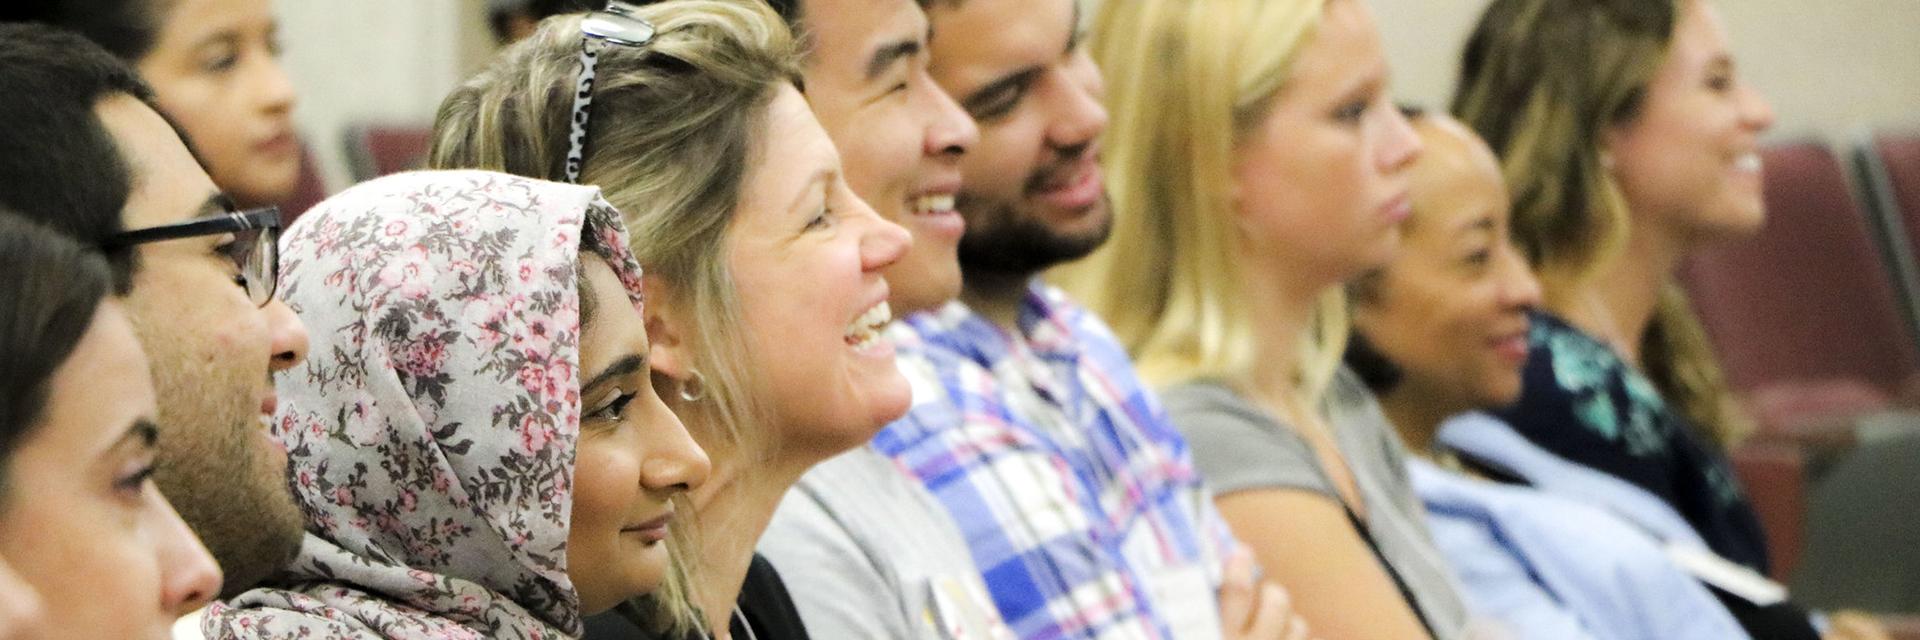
(1441, 331)
(883, 559)
(479, 449)
(90, 156)
(1629, 141)
(1079, 503)
(215, 71)
(764, 267)
(1261, 157)
(81, 519)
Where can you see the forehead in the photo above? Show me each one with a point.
(168, 184)
(794, 151)
(1698, 37)
(1342, 49)
(844, 33)
(191, 20)
(975, 41)
(1456, 181)
(616, 326)
(104, 385)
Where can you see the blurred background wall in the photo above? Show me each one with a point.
(1831, 68)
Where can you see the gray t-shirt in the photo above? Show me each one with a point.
(1239, 446)
(866, 552)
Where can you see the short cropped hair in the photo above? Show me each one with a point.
(62, 168)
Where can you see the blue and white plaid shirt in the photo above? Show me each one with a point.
(1078, 498)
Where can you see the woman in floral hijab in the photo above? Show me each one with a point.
(464, 440)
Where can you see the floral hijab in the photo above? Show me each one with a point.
(431, 432)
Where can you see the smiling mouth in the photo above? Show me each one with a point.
(1748, 162)
(933, 204)
(864, 333)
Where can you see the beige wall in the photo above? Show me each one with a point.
(1830, 67)
(383, 61)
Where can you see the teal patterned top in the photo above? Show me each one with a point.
(1582, 402)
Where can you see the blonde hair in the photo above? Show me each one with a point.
(670, 143)
(1188, 81)
(1543, 81)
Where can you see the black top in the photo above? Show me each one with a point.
(1580, 401)
(763, 602)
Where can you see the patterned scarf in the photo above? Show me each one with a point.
(431, 433)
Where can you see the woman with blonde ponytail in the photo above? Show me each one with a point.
(1255, 164)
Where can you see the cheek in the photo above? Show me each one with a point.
(93, 569)
(1006, 155)
(605, 481)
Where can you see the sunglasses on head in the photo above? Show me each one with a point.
(618, 24)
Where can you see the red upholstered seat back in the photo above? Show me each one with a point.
(1808, 298)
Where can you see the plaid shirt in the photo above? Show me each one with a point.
(1077, 496)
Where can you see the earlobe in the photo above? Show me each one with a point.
(669, 352)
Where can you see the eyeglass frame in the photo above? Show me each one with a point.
(616, 24)
(265, 220)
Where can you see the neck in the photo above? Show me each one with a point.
(1618, 303)
(734, 506)
(1284, 312)
(996, 296)
(1416, 420)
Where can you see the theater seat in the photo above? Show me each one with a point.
(311, 189)
(1889, 168)
(375, 150)
(1805, 314)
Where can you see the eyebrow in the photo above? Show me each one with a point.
(1481, 224)
(215, 204)
(143, 432)
(619, 369)
(1026, 75)
(822, 180)
(890, 55)
(1015, 79)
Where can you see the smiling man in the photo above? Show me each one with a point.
(1078, 499)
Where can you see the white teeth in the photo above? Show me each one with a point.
(1749, 162)
(935, 203)
(865, 330)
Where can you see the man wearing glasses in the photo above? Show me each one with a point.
(88, 154)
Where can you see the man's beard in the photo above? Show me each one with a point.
(215, 472)
(1013, 244)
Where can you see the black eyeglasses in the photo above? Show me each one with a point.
(255, 249)
(617, 24)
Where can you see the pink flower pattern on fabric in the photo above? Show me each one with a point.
(431, 433)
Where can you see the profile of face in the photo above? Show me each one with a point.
(84, 523)
(899, 135)
(1033, 194)
(215, 69)
(1688, 161)
(807, 256)
(1450, 310)
(1320, 183)
(214, 353)
(634, 454)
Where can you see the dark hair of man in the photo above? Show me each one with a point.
(62, 168)
(127, 28)
(48, 297)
